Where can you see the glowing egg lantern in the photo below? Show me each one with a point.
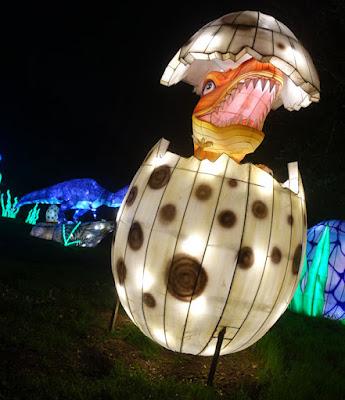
(205, 243)
(52, 214)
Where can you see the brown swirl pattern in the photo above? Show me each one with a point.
(187, 278)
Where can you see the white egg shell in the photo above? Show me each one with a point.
(204, 245)
(52, 213)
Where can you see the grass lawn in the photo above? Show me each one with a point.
(55, 309)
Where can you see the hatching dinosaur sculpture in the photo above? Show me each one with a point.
(81, 195)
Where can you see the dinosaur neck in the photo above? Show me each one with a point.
(112, 200)
(109, 198)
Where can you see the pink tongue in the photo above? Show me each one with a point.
(247, 105)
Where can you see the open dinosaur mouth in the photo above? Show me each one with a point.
(246, 102)
(232, 109)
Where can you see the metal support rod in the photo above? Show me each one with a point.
(215, 357)
(115, 313)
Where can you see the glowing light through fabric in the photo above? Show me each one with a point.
(321, 290)
(205, 243)
(201, 245)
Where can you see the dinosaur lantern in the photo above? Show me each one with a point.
(242, 65)
(81, 195)
(205, 243)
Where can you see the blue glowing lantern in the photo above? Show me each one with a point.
(321, 290)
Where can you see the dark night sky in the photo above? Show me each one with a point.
(80, 94)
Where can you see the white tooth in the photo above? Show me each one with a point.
(251, 86)
(247, 83)
(259, 85)
(267, 85)
(255, 81)
(273, 92)
(272, 84)
(277, 87)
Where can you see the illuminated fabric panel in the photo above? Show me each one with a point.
(230, 40)
(201, 245)
(321, 290)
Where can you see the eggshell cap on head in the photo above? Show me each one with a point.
(234, 38)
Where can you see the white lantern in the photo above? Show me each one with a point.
(203, 245)
(52, 213)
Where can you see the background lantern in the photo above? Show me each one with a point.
(204, 243)
(320, 291)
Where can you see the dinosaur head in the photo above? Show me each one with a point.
(232, 109)
(242, 64)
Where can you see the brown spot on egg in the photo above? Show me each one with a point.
(296, 261)
(135, 236)
(290, 219)
(167, 213)
(276, 255)
(247, 27)
(203, 192)
(121, 271)
(281, 45)
(149, 300)
(245, 257)
(232, 182)
(259, 209)
(187, 278)
(159, 177)
(227, 218)
(132, 195)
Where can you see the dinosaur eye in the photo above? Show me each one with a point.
(208, 87)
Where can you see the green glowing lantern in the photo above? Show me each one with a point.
(9, 208)
(33, 215)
